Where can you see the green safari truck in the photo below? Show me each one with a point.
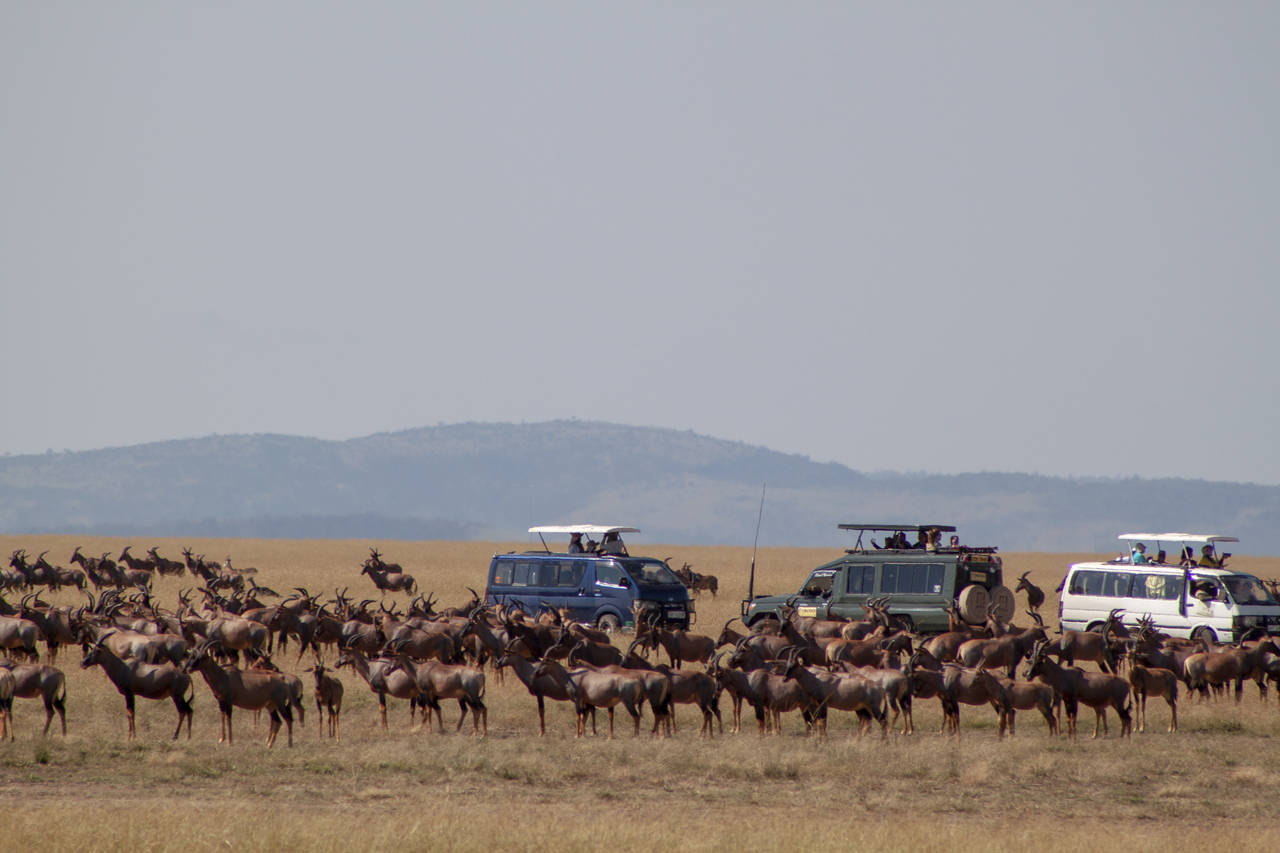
(921, 575)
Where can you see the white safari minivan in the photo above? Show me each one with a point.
(1190, 594)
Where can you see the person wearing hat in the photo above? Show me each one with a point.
(612, 544)
(1207, 558)
(1140, 554)
(575, 543)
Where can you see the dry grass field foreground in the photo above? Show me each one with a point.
(1213, 785)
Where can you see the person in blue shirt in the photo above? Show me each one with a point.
(1140, 554)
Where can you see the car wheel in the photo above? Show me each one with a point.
(609, 623)
(973, 601)
(1206, 634)
(905, 623)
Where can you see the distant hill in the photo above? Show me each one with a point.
(492, 481)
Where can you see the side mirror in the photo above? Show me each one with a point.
(626, 582)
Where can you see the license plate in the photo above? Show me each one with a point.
(810, 612)
(675, 614)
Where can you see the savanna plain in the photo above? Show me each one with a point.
(1212, 785)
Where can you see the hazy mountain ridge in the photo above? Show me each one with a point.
(489, 480)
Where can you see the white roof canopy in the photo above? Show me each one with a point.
(588, 529)
(1201, 538)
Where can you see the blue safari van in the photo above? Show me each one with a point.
(599, 583)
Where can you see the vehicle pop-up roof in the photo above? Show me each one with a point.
(1202, 539)
(585, 529)
(1198, 538)
(893, 528)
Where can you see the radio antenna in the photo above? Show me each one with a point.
(751, 582)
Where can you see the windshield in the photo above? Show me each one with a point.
(650, 572)
(819, 583)
(1246, 589)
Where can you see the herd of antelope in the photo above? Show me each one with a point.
(413, 651)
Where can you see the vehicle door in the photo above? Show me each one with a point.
(1207, 603)
(1155, 594)
(857, 582)
(572, 589)
(814, 598)
(612, 590)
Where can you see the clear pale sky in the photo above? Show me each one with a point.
(946, 237)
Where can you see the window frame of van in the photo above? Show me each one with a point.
(616, 566)
(1135, 575)
(522, 571)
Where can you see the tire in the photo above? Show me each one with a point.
(1004, 603)
(973, 601)
(609, 623)
(906, 622)
(1205, 633)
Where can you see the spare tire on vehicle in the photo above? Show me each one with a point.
(1003, 602)
(973, 601)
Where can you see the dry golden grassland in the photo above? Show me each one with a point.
(1212, 785)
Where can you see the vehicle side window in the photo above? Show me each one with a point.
(889, 577)
(911, 578)
(1087, 582)
(860, 580)
(547, 573)
(609, 573)
(1116, 585)
(571, 572)
(501, 573)
(936, 574)
(520, 574)
(1153, 586)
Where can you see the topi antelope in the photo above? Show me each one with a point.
(328, 693)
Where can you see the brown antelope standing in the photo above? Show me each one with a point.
(1096, 689)
(47, 682)
(328, 693)
(1086, 645)
(384, 679)
(1154, 681)
(1035, 595)
(966, 686)
(19, 635)
(552, 683)
(590, 689)
(737, 684)
(1032, 696)
(388, 577)
(150, 681)
(439, 681)
(817, 691)
(680, 645)
(248, 689)
(1004, 652)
